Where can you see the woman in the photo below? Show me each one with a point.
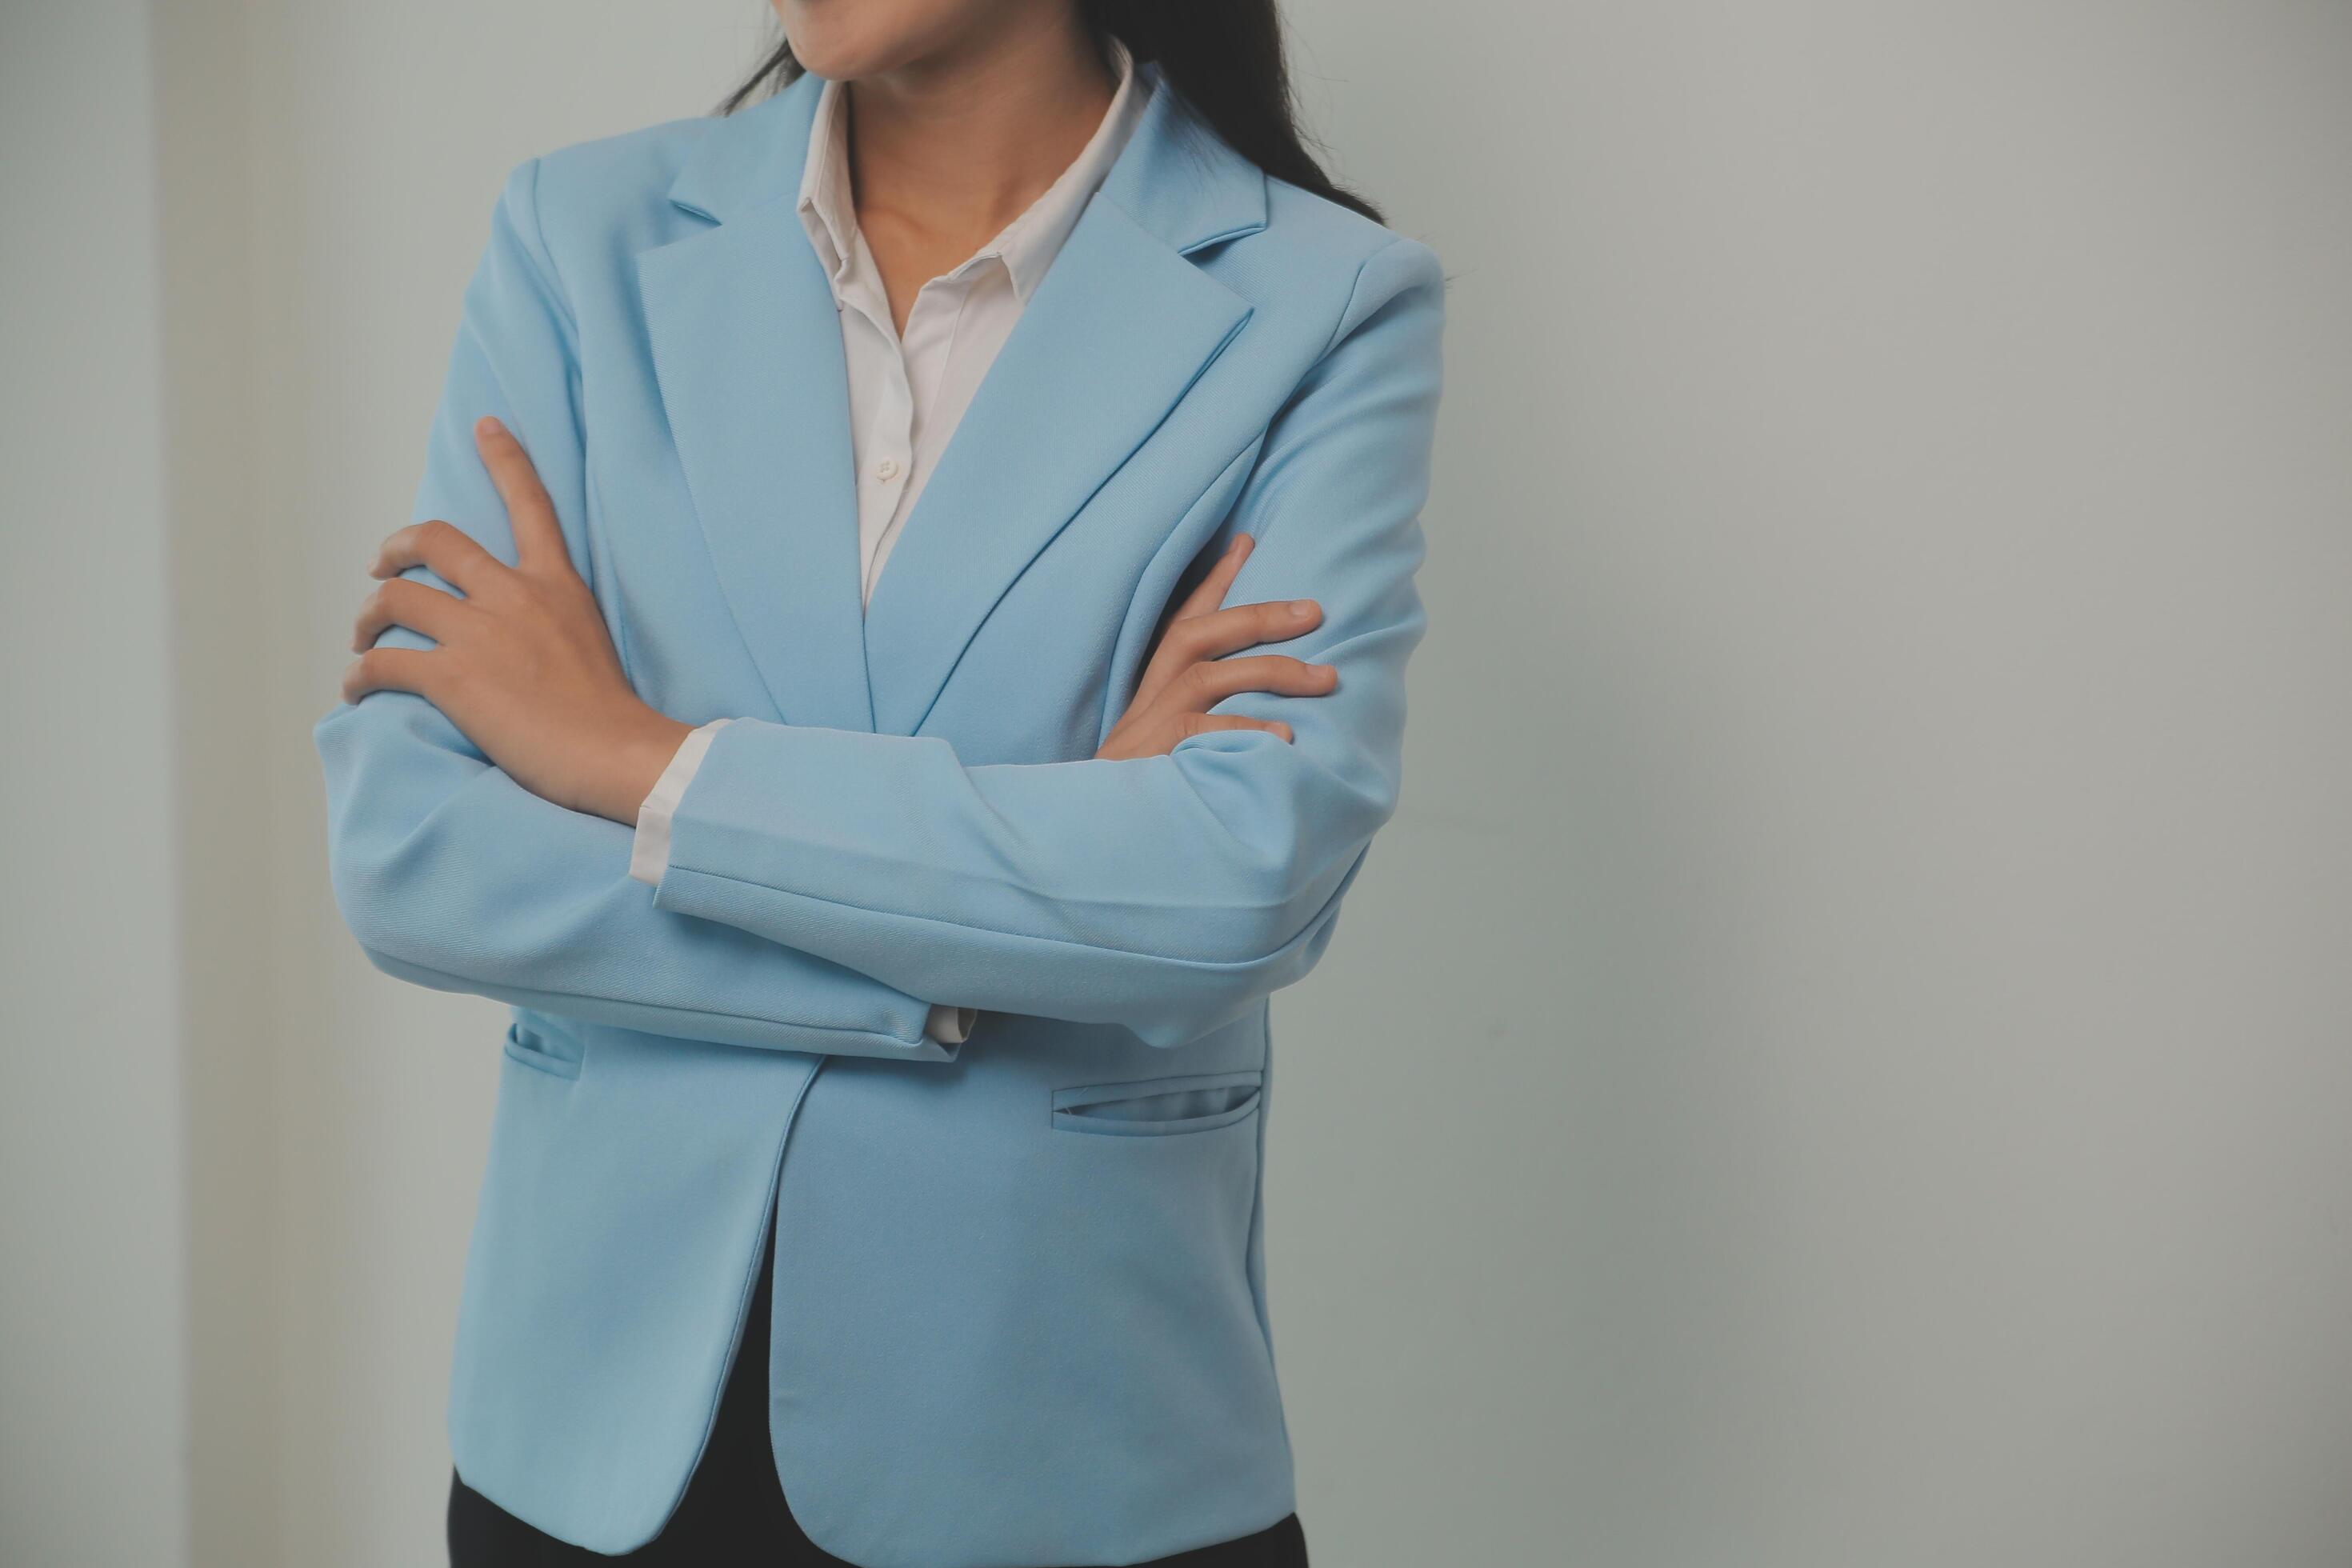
(972, 876)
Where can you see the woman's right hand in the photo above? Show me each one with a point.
(1189, 672)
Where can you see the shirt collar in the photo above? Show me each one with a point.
(1027, 245)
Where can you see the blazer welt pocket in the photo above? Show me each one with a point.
(528, 1047)
(1155, 1107)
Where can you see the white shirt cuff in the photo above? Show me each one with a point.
(950, 1025)
(649, 851)
(649, 858)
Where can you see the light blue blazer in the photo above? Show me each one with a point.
(1020, 1312)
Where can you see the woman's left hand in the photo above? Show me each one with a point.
(522, 665)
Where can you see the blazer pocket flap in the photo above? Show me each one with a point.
(530, 1049)
(1193, 1102)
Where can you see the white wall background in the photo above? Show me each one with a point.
(93, 1237)
(1841, 1058)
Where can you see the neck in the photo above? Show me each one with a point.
(962, 141)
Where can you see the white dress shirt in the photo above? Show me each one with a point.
(908, 390)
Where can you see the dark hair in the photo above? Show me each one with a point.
(1224, 57)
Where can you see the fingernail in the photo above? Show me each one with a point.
(1301, 609)
(487, 425)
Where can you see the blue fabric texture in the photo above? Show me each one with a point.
(1019, 1311)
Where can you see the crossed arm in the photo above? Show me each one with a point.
(478, 841)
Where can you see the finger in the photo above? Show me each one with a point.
(1208, 683)
(1165, 665)
(405, 602)
(539, 538)
(388, 669)
(1240, 626)
(1204, 723)
(1158, 736)
(1213, 587)
(450, 552)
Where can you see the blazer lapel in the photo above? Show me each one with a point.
(1117, 331)
(746, 350)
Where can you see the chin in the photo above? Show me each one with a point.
(845, 40)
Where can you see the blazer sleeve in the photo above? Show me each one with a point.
(1169, 894)
(453, 876)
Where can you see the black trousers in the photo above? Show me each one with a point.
(734, 1510)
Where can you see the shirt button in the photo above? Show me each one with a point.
(887, 469)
